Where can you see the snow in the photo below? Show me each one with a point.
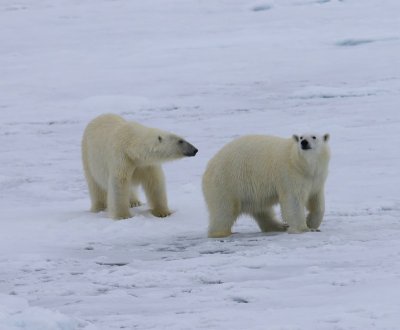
(209, 71)
(19, 315)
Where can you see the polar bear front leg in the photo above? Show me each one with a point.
(153, 182)
(118, 198)
(316, 208)
(293, 214)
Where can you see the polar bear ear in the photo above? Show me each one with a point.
(326, 137)
(296, 137)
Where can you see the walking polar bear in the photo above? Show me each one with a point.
(252, 173)
(119, 155)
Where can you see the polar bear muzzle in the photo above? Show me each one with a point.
(305, 145)
(187, 149)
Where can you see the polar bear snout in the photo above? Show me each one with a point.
(188, 149)
(305, 145)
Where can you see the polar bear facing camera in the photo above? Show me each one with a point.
(119, 155)
(253, 173)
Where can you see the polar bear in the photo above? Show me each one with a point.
(119, 155)
(252, 173)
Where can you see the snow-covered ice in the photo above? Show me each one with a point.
(209, 71)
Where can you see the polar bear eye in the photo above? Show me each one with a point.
(314, 137)
(180, 141)
(160, 138)
(301, 138)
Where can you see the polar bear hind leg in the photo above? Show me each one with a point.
(267, 221)
(134, 199)
(223, 215)
(98, 196)
(118, 198)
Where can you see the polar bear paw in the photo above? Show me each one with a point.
(121, 216)
(219, 234)
(294, 230)
(161, 213)
(135, 203)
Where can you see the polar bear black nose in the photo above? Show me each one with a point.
(305, 145)
(188, 149)
(192, 152)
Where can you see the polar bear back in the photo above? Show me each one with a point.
(246, 168)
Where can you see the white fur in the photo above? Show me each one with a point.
(251, 174)
(118, 156)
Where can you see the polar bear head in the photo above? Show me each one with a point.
(170, 146)
(311, 142)
(155, 146)
(147, 146)
(312, 154)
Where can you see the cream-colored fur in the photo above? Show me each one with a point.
(119, 155)
(251, 174)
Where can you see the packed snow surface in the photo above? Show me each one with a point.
(209, 71)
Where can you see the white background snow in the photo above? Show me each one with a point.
(209, 71)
